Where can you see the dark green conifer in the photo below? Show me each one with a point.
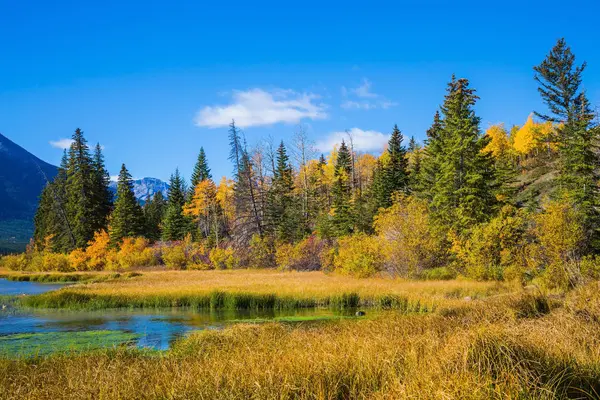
(127, 219)
(342, 220)
(175, 224)
(201, 169)
(154, 212)
(560, 88)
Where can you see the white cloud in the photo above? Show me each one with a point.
(362, 140)
(362, 98)
(349, 104)
(61, 143)
(258, 107)
(114, 178)
(364, 90)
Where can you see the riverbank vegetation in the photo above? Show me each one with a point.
(497, 347)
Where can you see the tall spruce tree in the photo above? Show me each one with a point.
(201, 169)
(342, 220)
(283, 208)
(103, 198)
(82, 202)
(430, 164)
(397, 167)
(127, 219)
(175, 224)
(51, 223)
(414, 165)
(154, 212)
(560, 88)
(463, 191)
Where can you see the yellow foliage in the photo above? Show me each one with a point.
(203, 201)
(533, 136)
(223, 258)
(360, 255)
(224, 197)
(493, 247)
(174, 257)
(79, 260)
(412, 245)
(56, 262)
(304, 255)
(499, 144)
(97, 250)
(134, 252)
(14, 262)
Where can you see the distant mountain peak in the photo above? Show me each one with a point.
(142, 188)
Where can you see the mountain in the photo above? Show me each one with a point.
(22, 178)
(144, 187)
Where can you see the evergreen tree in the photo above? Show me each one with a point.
(464, 190)
(397, 167)
(201, 169)
(430, 164)
(414, 166)
(236, 147)
(283, 208)
(101, 192)
(342, 221)
(380, 195)
(81, 201)
(127, 219)
(154, 212)
(560, 81)
(175, 225)
(50, 221)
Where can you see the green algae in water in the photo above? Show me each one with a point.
(40, 344)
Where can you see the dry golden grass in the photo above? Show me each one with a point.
(297, 284)
(497, 348)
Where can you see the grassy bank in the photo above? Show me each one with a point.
(254, 289)
(62, 277)
(495, 348)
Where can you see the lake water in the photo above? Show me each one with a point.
(157, 328)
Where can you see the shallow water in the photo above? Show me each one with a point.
(156, 328)
(13, 288)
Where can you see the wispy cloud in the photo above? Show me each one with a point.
(362, 140)
(257, 107)
(362, 98)
(61, 143)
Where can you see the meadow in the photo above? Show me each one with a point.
(499, 342)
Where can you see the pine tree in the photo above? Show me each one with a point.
(51, 221)
(127, 219)
(464, 190)
(283, 207)
(175, 225)
(101, 192)
(560, 80)
(343, 220)
(81, 205)
(154, 212)
(414, 165)
(236, 147)
(397, 167)
(201, 169)
(430, 164)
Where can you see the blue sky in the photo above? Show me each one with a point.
(153, 81)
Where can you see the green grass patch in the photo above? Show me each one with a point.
(220, 300)
(41, 344)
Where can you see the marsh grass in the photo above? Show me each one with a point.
(252, 289)
(489, 349)
(58, 277)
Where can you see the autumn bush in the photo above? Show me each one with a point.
(223, 258)
(360, 255)
(186, 254)
(261, 253)
(14, 262)
(492, 247)
(305, 255)
(412, 246)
